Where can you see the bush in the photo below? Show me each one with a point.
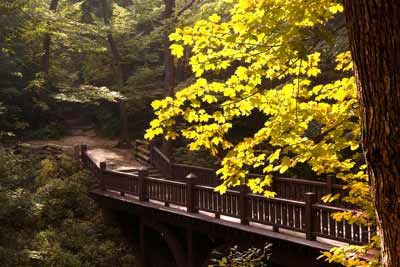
(47, 218)
(252, 257)
(53, 130)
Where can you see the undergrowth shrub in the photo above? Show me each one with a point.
(47, 218)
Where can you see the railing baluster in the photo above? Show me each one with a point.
(83, 150)
(260, 209)
(332, 226)
(284, 215)
(347, 231)
(142, 185)
(103, 166)
(290, 220)
(218, 202)
(297, 212)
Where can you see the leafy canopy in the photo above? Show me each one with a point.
(266, 57)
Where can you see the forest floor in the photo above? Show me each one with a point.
(99, 148)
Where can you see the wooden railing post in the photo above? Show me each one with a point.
(243, 205)
(83, 150)
(190, 182)
(143, 173)
(103, 167)
(330, 179)
(311, 199)
(77, 153)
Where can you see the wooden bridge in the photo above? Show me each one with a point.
(186, 193)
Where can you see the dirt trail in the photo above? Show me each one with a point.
(101, 149)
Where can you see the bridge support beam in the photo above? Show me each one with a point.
(142, 244)
(189, 244)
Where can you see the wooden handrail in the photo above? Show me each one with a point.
(158, 151)
(281, 200)
(115, 172)
(331, 208)
(193, 167)
(150, 179)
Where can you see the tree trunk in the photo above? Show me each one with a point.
(119, 73)
(169, 66)
(46, 46)
(374, 33)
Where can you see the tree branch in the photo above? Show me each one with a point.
(189, 5)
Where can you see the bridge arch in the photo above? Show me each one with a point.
(171, 239)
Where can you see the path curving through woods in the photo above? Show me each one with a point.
(100, 148)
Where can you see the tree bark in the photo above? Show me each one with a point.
(169, 66)
(46, 46)
(374, 34)
(107, 11)
(119, 73)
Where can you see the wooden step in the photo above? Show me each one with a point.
(129, 170)
(142, 142)
(142, 149)
(142, 161)
(143, 156)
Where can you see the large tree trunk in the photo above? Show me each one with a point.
(374, 31)
(119, 72)
(46, 46)
(169, 66)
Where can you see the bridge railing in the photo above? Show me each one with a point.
(305, 217)
(125, 183)
(288, 188)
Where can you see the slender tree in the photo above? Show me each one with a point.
(169, 82)
(47, 45)
(374, 31)
(118, 70)
(172, 73)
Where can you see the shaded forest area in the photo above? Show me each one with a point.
(70, 64)
(59, 52)
(103, 60)
(294, 88)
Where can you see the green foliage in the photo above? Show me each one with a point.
(252, 257)
(106, 118)
(88, 94)
(81, 67)
(47, 218)
(52, 130)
